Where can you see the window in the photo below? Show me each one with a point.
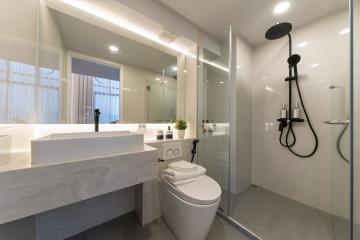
(95, 86)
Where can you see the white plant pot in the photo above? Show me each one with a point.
(180, 133)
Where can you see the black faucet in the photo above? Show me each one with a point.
(96, 119)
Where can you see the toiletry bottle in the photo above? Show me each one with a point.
(169, 133)
(283, 112)
(159, 135)
(296, 111)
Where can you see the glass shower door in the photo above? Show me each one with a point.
(340, 132)
(213, 112)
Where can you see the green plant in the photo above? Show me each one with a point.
(180, 124)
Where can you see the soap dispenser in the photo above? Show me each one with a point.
(169, 133)
(283, 112)
(296, 111)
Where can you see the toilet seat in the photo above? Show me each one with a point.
(203, 191)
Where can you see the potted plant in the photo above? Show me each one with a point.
(180, 126)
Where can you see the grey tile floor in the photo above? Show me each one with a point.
(274, 217)
(127, 228)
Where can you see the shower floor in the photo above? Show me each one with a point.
(274, 217)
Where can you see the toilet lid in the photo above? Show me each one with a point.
(203, 191)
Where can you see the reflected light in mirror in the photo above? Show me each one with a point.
(157, 79)
(344, 31)
(174, 69)
(302, 44)
(314, 65)
(281, 8)
(113, 48)
(221, 82)
(269, 89)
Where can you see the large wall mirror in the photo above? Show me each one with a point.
(83, 65)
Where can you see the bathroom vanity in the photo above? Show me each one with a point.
(27, 189)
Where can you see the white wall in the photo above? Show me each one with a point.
(18, 39)
(320, 181)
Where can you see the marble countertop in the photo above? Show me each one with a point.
(21, 159)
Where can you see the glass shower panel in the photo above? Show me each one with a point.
(291, 196)
(356, 119)
(213, 112)
(339, 126)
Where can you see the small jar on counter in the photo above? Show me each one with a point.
(159, 135)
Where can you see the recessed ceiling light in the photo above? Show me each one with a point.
(157, 79)
(113, 48)
(344, 31)
(281, 7)
(221, 82)
(174, 69)
(302, 44)
(315, 65)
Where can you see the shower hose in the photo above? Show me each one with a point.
(290, 130)
(338, 144)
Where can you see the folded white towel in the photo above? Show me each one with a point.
(177, 176)
(181, 182)
(183, 166)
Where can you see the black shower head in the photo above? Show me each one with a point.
(294, 59)
(278, 31)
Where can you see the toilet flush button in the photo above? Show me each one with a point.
(169, 153)
(172, 150)
(176, 152)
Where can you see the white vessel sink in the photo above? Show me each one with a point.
(72, 146)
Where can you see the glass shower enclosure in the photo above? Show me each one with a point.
(267, 191)
(214, 112)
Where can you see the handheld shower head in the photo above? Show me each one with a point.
(278, 31)
(294, 59)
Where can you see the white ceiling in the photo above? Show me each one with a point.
(250, 18)
(85, 38)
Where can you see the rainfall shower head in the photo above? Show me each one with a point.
(278, 31)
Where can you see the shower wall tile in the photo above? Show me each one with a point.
(322, 180)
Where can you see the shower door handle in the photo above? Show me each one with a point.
(337, 122)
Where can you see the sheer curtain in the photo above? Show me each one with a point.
(90, 93)
(26, 98)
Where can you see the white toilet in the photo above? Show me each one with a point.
(189, 209)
